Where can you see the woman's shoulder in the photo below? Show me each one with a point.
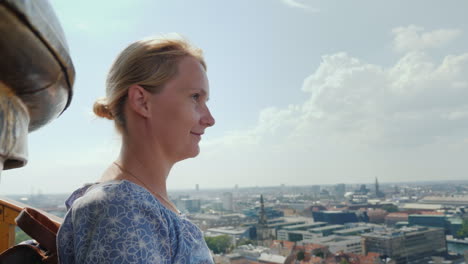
(122, 193)
(112, 215)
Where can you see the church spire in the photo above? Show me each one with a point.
(377, 192)
(263, 233)
(262, 218)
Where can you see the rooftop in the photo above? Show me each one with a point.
(392, 232)
(332, 239)
(422, 206)
(270, 258)
(286, 223)
(325, 228)
(352, 230)
(427, 216)
(229, 230)
(315, 224)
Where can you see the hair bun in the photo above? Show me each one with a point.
(101, 109)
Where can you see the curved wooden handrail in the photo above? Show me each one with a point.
(9, 210)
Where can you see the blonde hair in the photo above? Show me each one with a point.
(150, 63)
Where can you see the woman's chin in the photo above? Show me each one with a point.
(190, 154)
(195, 152)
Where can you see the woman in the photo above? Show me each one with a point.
(157, 91)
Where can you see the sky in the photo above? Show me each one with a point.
(303, 92)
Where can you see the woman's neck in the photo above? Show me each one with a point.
(141, 165)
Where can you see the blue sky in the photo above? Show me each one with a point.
(303, 92)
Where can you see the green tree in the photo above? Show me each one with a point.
(219, 244)
(320, 254)
(300, 255)
(244, 241)
(463, 231)
(391, 208)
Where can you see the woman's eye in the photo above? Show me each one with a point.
(196, 96)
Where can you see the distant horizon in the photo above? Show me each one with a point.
(448, 182)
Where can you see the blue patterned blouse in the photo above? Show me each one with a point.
(121, 222)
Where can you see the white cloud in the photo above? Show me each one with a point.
(299, 4)
(359, 119)
(412, 38)
(413, 102)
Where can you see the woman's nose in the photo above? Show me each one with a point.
(207, 119)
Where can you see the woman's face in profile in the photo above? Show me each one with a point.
(180, 114)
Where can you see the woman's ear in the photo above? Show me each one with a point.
(138, 98)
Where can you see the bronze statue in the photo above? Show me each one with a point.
(36, 75)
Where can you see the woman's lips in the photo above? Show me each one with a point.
(198, 135)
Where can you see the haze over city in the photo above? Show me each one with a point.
(303, 92)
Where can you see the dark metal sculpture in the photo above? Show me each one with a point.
(36, 74)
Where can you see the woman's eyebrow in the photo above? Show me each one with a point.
(202, 92)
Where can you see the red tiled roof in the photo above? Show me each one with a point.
(397, 214)
(431, 213)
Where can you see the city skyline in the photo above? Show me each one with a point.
(401, 224)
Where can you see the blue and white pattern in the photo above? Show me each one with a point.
(121, 222)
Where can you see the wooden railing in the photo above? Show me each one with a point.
(9, 210)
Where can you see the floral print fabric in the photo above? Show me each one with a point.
(121, 222)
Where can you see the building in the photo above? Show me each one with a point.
(298, 232)
(248, 254)
(235, 233)
(428, 220)
(285, 221)
(454, 224)
(271, 259)
(227, 201)
(189, 205)
(362, 190)
(392, 218)
(453, 200)
(377, 216)
(421, 206)
(326, 230)
(336, 244)
(305, 226)
(353, 231)
(294, 235)
(282, 247)
(205, 221)
(339, 191)
(406, 245)
(451, 225)
(335, 217)
(315, 189)
(357, 199)
(270, 212)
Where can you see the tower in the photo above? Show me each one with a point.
(262, 217)
(262, 226)
(378, 193)
(376, 187)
